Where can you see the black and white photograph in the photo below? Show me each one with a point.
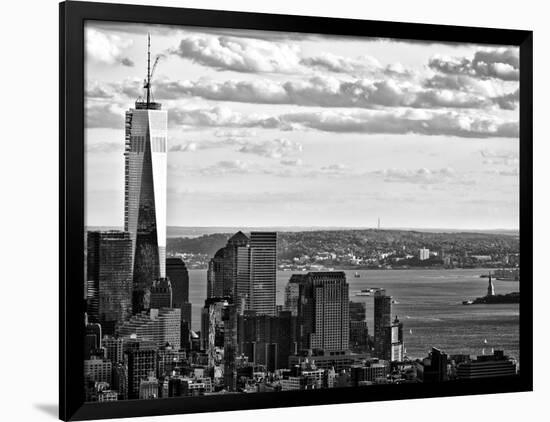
(280, 211)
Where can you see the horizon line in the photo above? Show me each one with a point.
(324, 227)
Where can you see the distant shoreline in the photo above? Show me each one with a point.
(383, 269)
(196, 231)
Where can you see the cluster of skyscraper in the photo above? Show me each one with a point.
(242, 325)
(137, 299)
(139, 342)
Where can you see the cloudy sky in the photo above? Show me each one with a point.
(279, 129)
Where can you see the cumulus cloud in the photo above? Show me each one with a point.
(226, 167)
(360, 66)
(104, 116)
(203, 144)
(500, 158)
(508, 101)
(273, 54)
(451, 123)
(107, 48)
(402, 122)
(292, 162)
(276, 148)
(486, 90)
(234, 133)
(324, 91)
(239, 54)
(339, 64)
(499, 63)
(222, 117)
(95, 90)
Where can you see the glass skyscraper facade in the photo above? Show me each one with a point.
(145, 195)
(245, 271)
(263, 272)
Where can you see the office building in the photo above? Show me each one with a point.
(495, 365)
(263, 272)
(161, 294)
(160, 326)
(230, 346)
(145, 192)
(212, 328)
(396, 341)
(120, 380)
(382, 321)
(242, 283)
(338, 360)
(177, 272)
(434, 368)
(114, 348)
(358, 329)
(312, 379)
(215, 274)
(141, 362)
(358, 336)
(149, 388)
(223, 267)
(109, 273)
(292, 293)
(357, 311)
(267, 340)
(370, 372)
(168, 360)
(92, 338)
(98, 369)
(229, 271)
(323, 312)
(423, 254)
(107, 395)
(245, 272)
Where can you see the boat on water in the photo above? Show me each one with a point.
(367, 292)
(467, 302)
(395, 302)
(357, 275)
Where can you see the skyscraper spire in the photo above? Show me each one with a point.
(148, 81)
(148, 103)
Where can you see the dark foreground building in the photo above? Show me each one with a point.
(323, 311)
(495, 365)
(382, 323)
(177, 273)
(109, 278)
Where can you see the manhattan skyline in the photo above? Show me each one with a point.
(264, 127)
(141, 289)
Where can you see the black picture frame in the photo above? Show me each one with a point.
(72, 16)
